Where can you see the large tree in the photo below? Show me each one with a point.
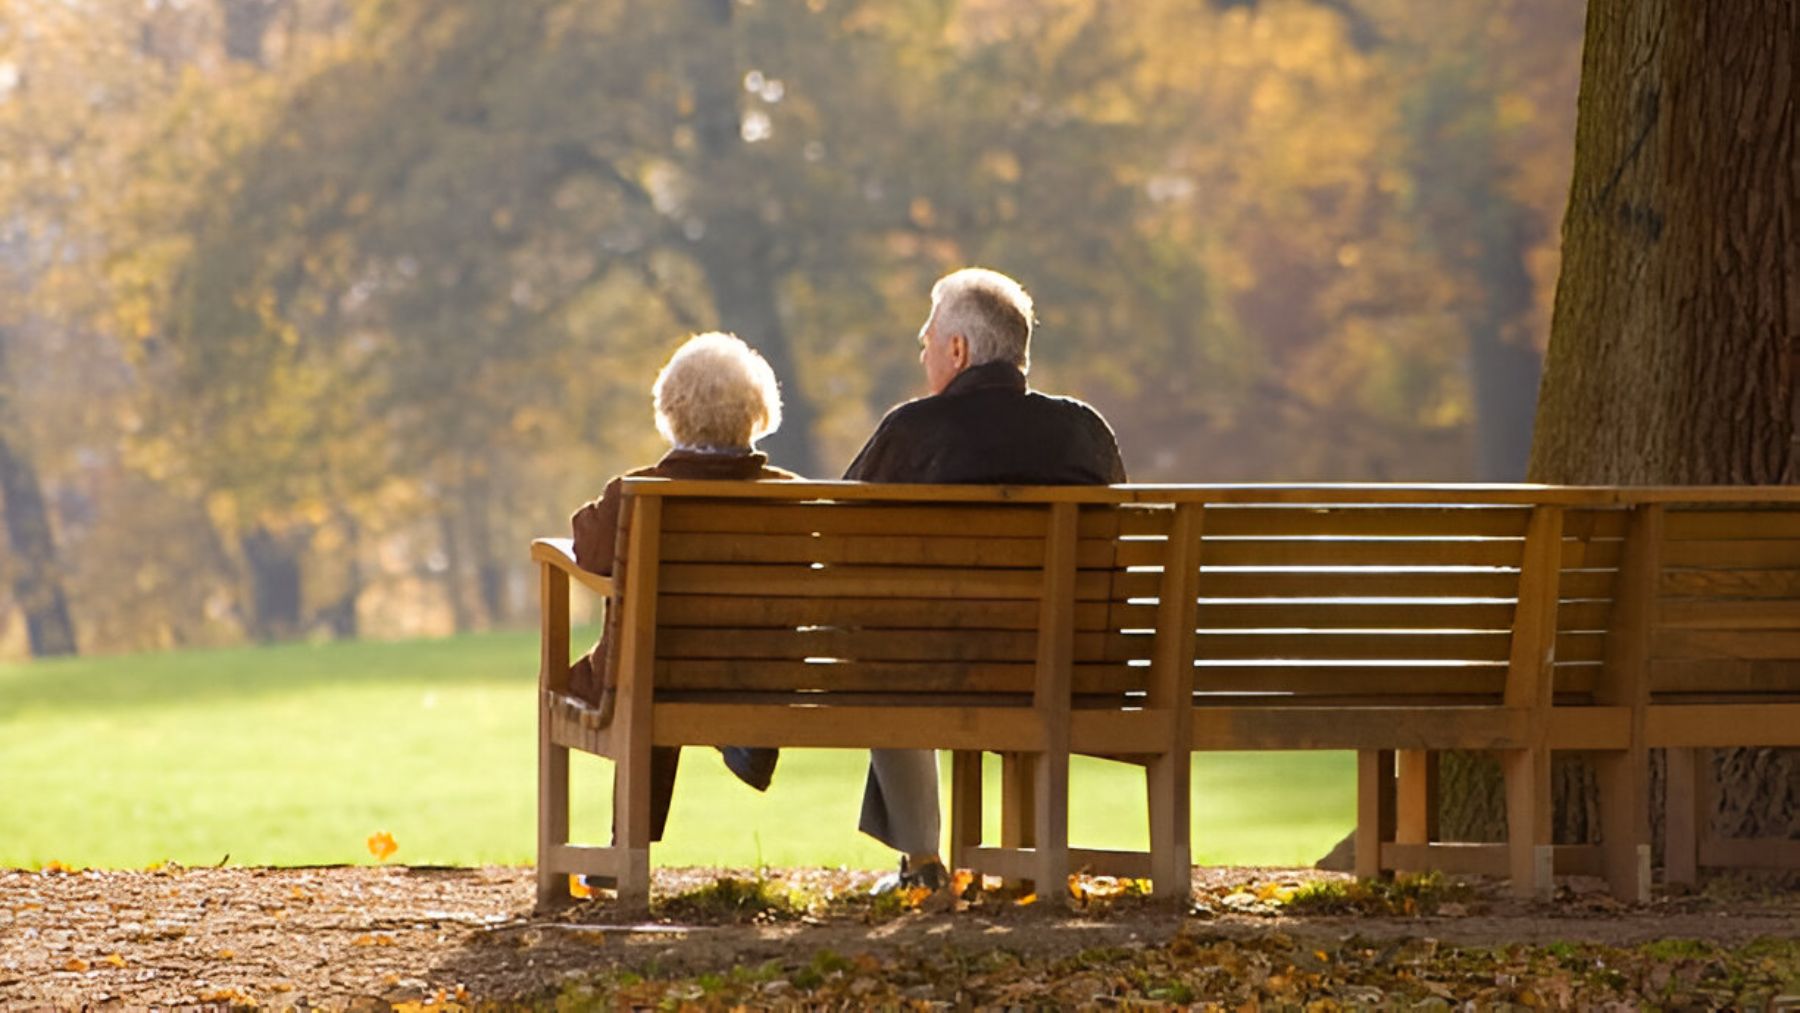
(1676, 337)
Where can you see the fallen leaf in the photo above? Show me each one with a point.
(960, 881)
(114, 959)
(381, 845)
(578, 889)
(75, 964)
(227, 954)
(1030, 898)
(55, 867)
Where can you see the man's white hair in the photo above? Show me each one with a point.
(989, 309)
(716, 393)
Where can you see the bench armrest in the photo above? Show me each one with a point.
(560, 553)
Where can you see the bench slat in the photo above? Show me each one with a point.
(888, 645)
(872, 676)
(1216, 583)
(874, 581)
(1369, 680)
(1727, 584)
(1766, 614)
(1749, 645)
(1723, 675)
(1684, 525)
(991, 728)
(1470, 522)
(1732, 555)
(709, 611)
(1230, 728)
(1317, 645)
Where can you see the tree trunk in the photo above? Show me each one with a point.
(738, 251)
(1676, 337)
(36, 579)
(1483, 234)
(273, 562)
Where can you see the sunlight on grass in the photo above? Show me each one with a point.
(297, 754)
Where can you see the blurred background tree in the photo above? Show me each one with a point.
(311, 313)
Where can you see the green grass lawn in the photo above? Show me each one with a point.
(297, 754)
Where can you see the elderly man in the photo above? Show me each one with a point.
(981, 424)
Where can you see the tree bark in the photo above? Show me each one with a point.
(36, 579)
(1676, 338)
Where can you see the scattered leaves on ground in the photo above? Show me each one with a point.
(450, 939)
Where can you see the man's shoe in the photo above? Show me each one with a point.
(755, 767)
(930, 875)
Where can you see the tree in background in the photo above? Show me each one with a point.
(374, 294)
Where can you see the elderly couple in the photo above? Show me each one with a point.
(980, 424)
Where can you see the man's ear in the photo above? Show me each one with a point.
(959, 352)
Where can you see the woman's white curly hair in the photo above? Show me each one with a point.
(716, 393)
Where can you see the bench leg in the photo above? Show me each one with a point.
(1052, 824)
(1530, 858)
(965, 809)
(1623, 781)
(1683, 820)
(553, 817)
(1374, 809)
(1018, 820)
(1168, 785)
(631, 827)
(1416, 796)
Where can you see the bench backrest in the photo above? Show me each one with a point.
(823, 594)
(895, 601)
(1726, 624)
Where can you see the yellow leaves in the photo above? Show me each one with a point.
(115, 959)
(56, 868)
(1278, 893)
(75, 964)
(443, 1001)
(960, 881)
(372, 939)
(1027, 900)
(230, 996)
(578, 889)
(381, 845)
(226, 955)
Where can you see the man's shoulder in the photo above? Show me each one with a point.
(1071, 407)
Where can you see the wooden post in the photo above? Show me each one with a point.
(631, 713)
(1682, 817)
(1623, 776)
(1051, 698)
(1528, 686)
(1168, 780)
(1374, 809)
(1416, 802)
(965, 808)
(553, 760)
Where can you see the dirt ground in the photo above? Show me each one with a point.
(377, 937)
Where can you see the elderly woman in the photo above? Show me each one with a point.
(714, 399)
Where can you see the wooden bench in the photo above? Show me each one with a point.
(838, 615)
(1146, 622)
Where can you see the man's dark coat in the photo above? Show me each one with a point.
(986, 428)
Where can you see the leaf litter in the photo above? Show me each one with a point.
(393, 937)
